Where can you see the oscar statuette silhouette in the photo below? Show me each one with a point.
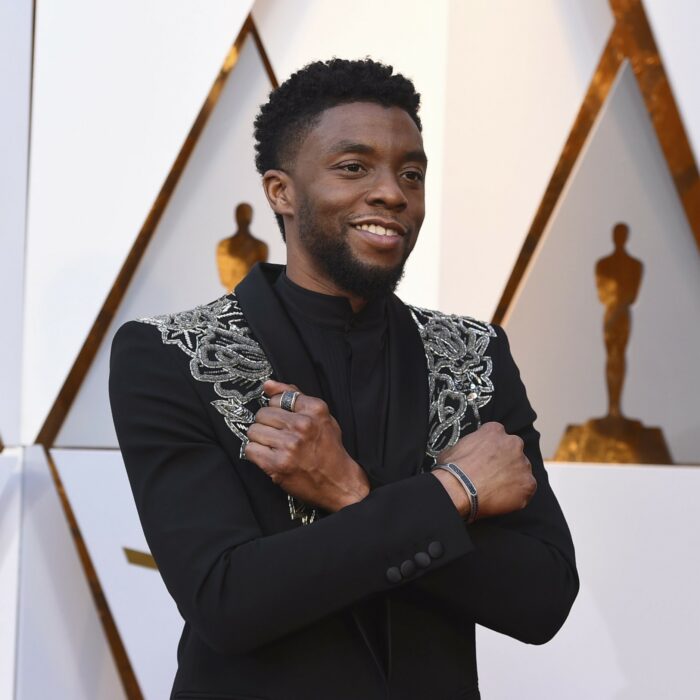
(236, 254)
(615, 438)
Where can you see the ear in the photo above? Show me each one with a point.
(279, 190)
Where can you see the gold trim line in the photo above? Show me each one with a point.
(632, 39)
(76, 375)
(124, 668)
(596, 94)
(635, 39)
(88, 351)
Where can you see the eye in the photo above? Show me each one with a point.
(353, 168)
(414, 175)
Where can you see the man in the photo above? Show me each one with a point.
(280, 441)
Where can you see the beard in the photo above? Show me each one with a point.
(334, 255)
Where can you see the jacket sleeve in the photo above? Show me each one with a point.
(520, 579)
(237, 587)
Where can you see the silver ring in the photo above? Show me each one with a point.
(289, 398)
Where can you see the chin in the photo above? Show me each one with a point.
(367, 280)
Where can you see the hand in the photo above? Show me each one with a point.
(498, 468)
(303, 453)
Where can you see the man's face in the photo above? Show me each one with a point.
(359, 196)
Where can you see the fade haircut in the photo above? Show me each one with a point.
(296, 106)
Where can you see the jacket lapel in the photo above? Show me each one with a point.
(282, 346)
(290, 362)
(459, 375)
(407, 419)
(274, 330)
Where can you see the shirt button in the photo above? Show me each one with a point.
(422, 559)
(393, 574)
(408, 568)
(435, 549)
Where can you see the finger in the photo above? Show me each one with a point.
(275, 417)
(272, 387)
(263, 457)
(267, 435)
(289, 425)
(304, 405)
(276, 400)
(519, 442)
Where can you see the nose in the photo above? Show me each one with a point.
(386, 192)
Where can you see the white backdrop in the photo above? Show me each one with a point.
(62, 651)
(10, 528)
(15, 81)
(178, 270)
(116, 88)
(516, 80)
(146, 616)
(632, 633)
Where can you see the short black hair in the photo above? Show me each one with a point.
(295, 106)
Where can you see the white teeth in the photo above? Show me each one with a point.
(379, 230)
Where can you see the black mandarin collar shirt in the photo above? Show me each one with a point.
(350, 354)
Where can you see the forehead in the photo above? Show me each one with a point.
(364, 122)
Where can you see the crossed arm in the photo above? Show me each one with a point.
(521, 576)
(240, 587)
(302, 452)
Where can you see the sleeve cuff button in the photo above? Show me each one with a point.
(408, 568)
(393, 574)
(422, 559)
(435, 549)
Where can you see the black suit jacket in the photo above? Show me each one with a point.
(269, 602)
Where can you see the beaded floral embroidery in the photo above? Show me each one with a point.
(459, 374)
(222, 352)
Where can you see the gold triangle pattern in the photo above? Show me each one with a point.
(633, 40)
(69, 390)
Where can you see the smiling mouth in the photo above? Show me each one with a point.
(379, 230)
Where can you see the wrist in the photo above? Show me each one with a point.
(465, 484)
(356, 488)
(454, 490)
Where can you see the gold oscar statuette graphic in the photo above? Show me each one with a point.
(236, 254)
(615, 438)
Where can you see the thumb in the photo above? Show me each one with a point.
(272, 387)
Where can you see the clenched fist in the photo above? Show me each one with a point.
(498, 467)
(303, 453)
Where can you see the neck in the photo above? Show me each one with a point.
(302, 272)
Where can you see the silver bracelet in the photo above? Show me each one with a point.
(468, 487)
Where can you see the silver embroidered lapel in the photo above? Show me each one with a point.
(459, 374)
(224, 353)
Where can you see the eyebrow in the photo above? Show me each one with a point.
(417, 154)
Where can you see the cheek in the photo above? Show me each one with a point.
(418, 213)
(329, 201)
